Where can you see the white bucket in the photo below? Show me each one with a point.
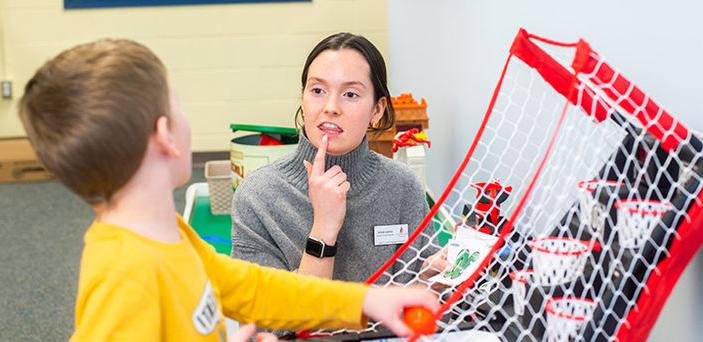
(559, 260)
(246, 155)
(637, 219)
(567, 317)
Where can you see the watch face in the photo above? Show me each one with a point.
(314, 247)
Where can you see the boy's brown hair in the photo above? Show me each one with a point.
(89, 113)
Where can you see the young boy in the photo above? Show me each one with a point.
(104, 120)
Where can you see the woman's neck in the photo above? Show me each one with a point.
(360, 164)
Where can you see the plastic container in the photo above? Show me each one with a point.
(558, 260)
(637, 219)
(414, 157)
(252, 151)
(219, 175)
(567, 317)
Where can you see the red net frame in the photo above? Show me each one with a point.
(641, 153)
(599, 91)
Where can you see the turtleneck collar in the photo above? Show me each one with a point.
(360, 164)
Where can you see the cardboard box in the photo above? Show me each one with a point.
(19, 163)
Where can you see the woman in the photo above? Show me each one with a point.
(334, 208)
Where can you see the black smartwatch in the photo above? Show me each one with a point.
(319, 249)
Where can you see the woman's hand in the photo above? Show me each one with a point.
(328, 194)
(435, 264)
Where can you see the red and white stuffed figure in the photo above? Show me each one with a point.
(408, 138)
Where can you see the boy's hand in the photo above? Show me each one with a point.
(386, 305)
(245, 332)
(328, 194)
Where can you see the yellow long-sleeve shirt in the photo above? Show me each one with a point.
(137, 289)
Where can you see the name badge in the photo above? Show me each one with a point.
(390, 235)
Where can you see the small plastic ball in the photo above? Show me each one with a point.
(420, 320)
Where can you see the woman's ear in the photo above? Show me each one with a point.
(378, 109)
(163, 137)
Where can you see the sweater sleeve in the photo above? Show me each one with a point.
(251, 240)
(278, 299)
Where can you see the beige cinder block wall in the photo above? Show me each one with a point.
(229, 63)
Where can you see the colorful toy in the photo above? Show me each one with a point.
(486, 214)
(561, 113)
(409, 113)
(420, 320)
(411, 137)
(462, 262)
(490, 196)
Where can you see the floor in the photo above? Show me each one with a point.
(41, 232)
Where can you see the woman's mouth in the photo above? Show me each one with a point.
(330, 129)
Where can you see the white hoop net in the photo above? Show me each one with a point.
(585, 241)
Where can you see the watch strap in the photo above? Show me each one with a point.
(319, 249)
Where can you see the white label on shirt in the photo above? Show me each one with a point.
(206, 314)
(390, 235)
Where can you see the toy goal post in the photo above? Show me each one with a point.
(597, 212)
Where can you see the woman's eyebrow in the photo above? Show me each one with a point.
(351, 83)
(346, 84)
(316, 79)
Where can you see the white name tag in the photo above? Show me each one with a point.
(390, 235)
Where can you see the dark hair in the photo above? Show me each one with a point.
(377, 67)
(89, 113)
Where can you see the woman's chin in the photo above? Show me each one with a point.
(337, 150)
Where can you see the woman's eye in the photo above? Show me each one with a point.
(316, 91)
(351, 94)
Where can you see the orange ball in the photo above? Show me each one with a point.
(420, 320)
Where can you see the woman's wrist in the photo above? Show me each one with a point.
(329, 236)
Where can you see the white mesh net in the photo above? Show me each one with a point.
(567, 212)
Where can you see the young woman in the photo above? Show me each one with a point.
(334, 208)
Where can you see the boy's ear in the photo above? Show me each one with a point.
(378, 110)
(163, 137)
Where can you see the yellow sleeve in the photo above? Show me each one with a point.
(117, 308)
(278, 299)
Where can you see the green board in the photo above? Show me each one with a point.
(214, 229)
(441, 224)
(264, 129)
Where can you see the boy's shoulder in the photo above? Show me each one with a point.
(112, 250)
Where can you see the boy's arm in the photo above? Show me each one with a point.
(278, 299)
(117, 308)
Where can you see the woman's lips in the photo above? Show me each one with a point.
(330, 129)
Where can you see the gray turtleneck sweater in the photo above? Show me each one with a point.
(272, 215)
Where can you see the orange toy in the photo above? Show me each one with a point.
(420, 320)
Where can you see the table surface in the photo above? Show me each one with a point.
(214, 229)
